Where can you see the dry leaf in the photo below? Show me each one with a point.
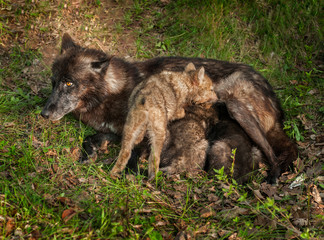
(160, 223)
(300, 222)
(19, 232)
(66, 201)
(181, 188)
(177, 195)
(293, 82)
(68, 214)
(258, 194)
(264, 221)
(234, 237)
(51, 152)
(36, 143)
(313, 91)
(9, 124)
(143, 210)
(203, 229)
(233, 212)
(67, 230)
(206, 213)
(316, 195)
(75, 153)
(222, 232)
(184, 235)
(35, 235)
(10, 226)
(212, 197)
(268, 189)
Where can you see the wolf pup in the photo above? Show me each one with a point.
(155, 102)
(225, 136)
(186, 144)
(95, 87)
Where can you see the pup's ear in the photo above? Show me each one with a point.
(67, 42)
(201, 75)
(190, 67)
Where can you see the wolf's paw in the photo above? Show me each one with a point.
(273, 176)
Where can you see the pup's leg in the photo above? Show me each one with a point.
(133, 133)
(157, 135)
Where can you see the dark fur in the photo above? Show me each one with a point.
(187, 149)
(103, 85)
(225, 136)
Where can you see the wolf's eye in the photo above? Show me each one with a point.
(69, 84)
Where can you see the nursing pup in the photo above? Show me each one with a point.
(186, 144)
(95, 87)
(204, 140)
(231, 148)
(155, 102)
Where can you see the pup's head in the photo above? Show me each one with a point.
(80, 81)
(203, 85)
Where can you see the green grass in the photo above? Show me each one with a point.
(40, 177)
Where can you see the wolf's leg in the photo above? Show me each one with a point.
(133, 133)
(250, 125)
(284, 148)
(94, 142)
(157, 135)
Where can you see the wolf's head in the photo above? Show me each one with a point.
(203, 85)
(81, 79)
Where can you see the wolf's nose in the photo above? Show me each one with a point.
(45, 114)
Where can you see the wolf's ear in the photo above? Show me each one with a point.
(67, 42)
(115, 77)
(100, 64)
(190, 67)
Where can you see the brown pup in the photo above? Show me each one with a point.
(156, 101)
(186, 145)
(187, 149)
(95, 87)
(226, 136)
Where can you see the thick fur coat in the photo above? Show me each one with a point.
(95, 87)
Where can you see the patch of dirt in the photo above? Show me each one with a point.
(41, 24)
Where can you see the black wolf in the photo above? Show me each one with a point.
(95, 87)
